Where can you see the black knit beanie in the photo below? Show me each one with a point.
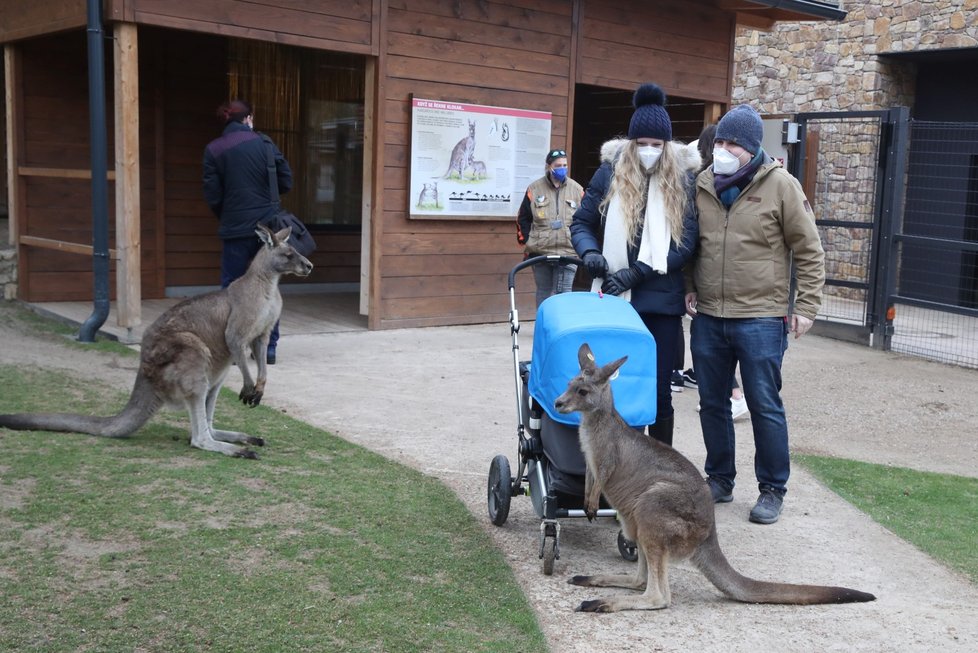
(742, 125)
(650, 119)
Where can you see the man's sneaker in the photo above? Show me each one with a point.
(689, 378)
(721, 493)
(676, 382)
(738, 407)
(768, 507)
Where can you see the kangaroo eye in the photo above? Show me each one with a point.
(582, 391)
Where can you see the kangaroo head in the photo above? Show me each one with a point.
(589, 390)
(278, 256)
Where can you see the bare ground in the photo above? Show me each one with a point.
(442, 400)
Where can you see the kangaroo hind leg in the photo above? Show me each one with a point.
(226, 436)
(201, 435)
(656, 594)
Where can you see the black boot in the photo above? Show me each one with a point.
(662, 429)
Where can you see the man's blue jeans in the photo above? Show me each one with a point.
(717, 344)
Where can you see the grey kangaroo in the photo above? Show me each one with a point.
(664, 506)
(187, 351)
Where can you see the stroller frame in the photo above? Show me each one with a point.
(533, 464)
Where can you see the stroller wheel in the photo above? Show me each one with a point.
(627, 548)
(549, 554)
(499, 490)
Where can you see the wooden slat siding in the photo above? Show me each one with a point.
(22, 19)
(682, 46)
(472, 51)
(342, 25)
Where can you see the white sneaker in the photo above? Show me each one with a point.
(738, 407)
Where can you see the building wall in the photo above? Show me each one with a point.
(853, 65)
(524, 54)
(512, 53)
(834, 66)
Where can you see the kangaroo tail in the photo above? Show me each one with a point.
(709, 559)
(143, 403)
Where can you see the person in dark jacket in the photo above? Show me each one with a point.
(637, 228)
(237, 190)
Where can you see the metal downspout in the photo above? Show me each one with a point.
(99, 154)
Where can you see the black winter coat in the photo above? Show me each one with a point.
(236, 184)
(663, 294)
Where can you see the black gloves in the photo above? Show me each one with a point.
(595, 263)
(623, 280)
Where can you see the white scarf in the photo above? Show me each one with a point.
(656, 236)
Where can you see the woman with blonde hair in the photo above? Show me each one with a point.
(637, 227)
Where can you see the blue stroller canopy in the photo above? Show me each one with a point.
(612, 328)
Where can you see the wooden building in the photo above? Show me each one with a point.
(332, 82)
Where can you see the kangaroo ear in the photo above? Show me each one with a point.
(609, 370)
(585, 358)
(283, 235)
(265, 234)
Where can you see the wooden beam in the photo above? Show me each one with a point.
(62, 246)
(60, 173)
(711, 113)
(127, 224)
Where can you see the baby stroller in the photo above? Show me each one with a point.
(551, 463)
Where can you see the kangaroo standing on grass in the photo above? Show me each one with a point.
(187, 352)
(664, 506)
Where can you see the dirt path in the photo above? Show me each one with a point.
(442, 400)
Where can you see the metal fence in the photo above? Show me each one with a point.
(936, 291)
(896, 204)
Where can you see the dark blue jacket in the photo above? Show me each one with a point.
(663, 294)
(236, 184)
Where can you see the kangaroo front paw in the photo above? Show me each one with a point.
(250, 396)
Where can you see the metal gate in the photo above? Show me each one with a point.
(847, 163)
(896, 204)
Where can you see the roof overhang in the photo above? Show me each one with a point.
(763, 14)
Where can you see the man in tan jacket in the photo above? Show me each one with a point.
(754, 223)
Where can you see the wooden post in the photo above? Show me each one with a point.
(127, 218)
(14, 127)
(711, 113)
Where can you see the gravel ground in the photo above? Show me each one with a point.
(442, 400)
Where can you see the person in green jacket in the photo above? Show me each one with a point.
(543, 223)
(755, 225)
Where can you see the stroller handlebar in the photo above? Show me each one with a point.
(537, 260)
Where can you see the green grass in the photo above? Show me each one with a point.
(148, 544)
(938, 513)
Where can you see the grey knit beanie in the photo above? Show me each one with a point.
(650, 119)
(742, 125)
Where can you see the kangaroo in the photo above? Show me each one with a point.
(664, 506)
(462, 154)
(479, 170)
(186, 353)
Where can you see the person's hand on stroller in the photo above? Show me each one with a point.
(596, 264)
(622, 280)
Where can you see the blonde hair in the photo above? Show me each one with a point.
(630, 181)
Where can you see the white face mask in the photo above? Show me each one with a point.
(725, 163)
(648, 154)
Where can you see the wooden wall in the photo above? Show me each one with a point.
(513, 53)
(518, 53)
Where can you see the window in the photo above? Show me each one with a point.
(311, 104)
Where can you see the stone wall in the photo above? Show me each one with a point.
(835, 66)
(8, 263)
